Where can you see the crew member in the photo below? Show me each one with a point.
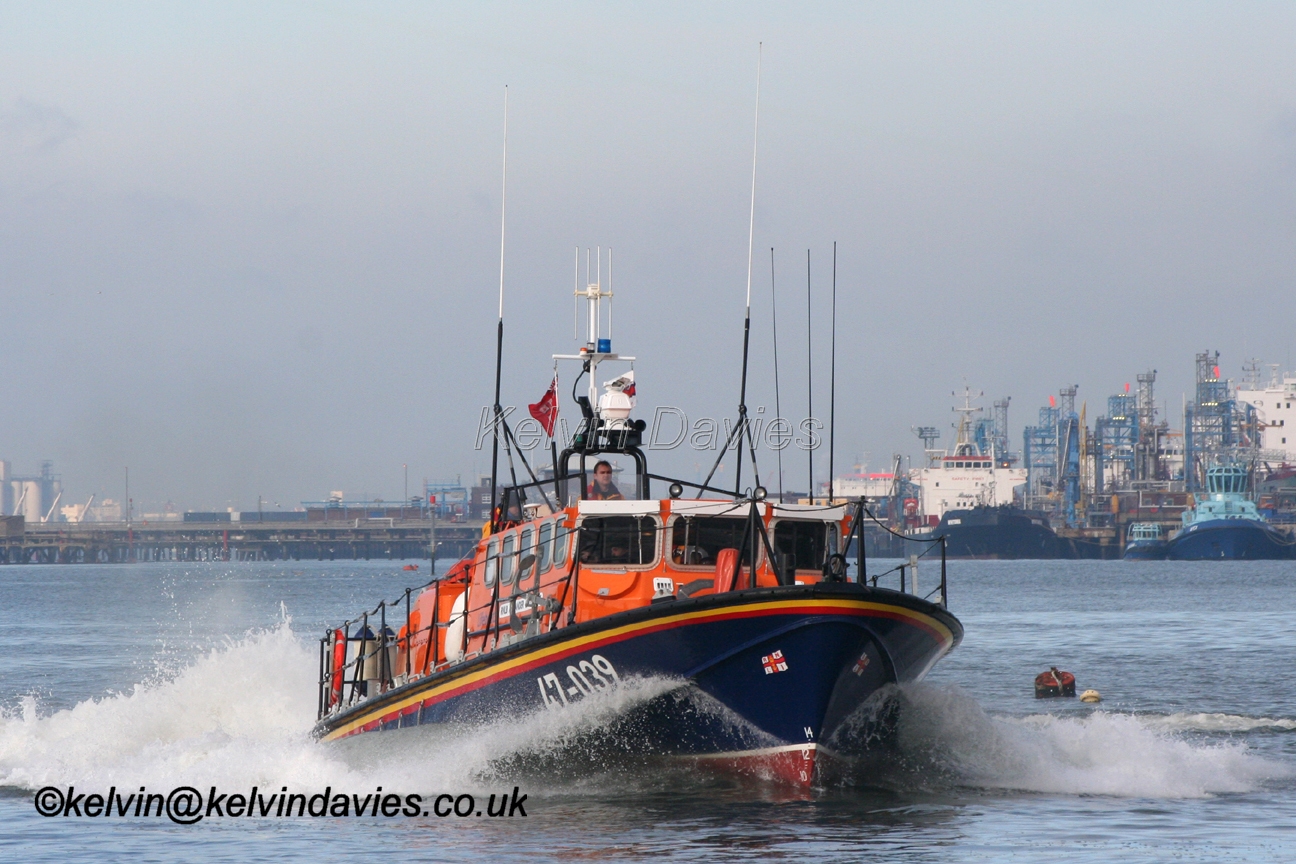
(603, 489)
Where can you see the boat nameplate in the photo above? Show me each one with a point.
(586, 677)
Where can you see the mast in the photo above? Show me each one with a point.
(778, 409)
(609, 414)
(742, 426)
(499, 330)
(743, 423)
(832, 383)
(809, 379)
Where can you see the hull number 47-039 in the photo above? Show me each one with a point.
(583, 679)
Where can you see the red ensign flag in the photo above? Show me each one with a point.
(546, 410)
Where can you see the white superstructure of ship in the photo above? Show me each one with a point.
(1275, 407)
(965, 477)
(861, 482)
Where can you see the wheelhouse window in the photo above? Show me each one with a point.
(492, 561)
(697, 540)
(543, 549)
(562, 539)
(589, 478)
(527, 548)
(806, 542)
(507, 561)
(618, 540)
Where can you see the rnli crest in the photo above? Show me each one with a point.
(774, 663)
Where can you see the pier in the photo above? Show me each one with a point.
(119, 543)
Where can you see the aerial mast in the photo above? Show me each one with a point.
(499, 331)
(742, 427)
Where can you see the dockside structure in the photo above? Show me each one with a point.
(120, 542)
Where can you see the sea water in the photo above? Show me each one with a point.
(167, 675)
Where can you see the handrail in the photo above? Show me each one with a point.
(353, 669)
(857, 530)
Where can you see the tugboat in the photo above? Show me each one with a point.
(1226, 525)
(1145, 542)
(772, 650)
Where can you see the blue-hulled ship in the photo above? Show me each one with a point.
(1226, 525)
(1145, 542)
(999, 532)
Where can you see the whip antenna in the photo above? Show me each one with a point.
(499, 330)
(743, 426)
(778, 408)
(832, 383)
(751, 218)
(809, 380)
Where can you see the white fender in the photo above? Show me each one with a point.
(455, 632)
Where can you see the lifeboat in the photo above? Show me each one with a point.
(772, 653)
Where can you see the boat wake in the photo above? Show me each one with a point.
(1220, 723)
(946, 736)
(237, 715)
(240, 716)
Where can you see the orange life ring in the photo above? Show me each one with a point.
(339, 666)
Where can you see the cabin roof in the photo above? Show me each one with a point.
(711, 507)
(704, 507)
(618, 508)
(809, 511)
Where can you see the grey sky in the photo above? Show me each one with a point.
(251, 250)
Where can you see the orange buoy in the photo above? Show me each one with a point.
(1054, 683)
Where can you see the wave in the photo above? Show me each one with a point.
(1221, 723)
(1103, 753)
(241, 716)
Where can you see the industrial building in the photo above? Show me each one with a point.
(1132, 466)
(34, 497)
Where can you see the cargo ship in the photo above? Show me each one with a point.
(971, 475)
(967, 495)
(772, 652)
(1005, 531)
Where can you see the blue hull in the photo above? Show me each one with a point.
(787, 668)
(1229, 540)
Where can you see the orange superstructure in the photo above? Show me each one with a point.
(602, 557)
(599, 558)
